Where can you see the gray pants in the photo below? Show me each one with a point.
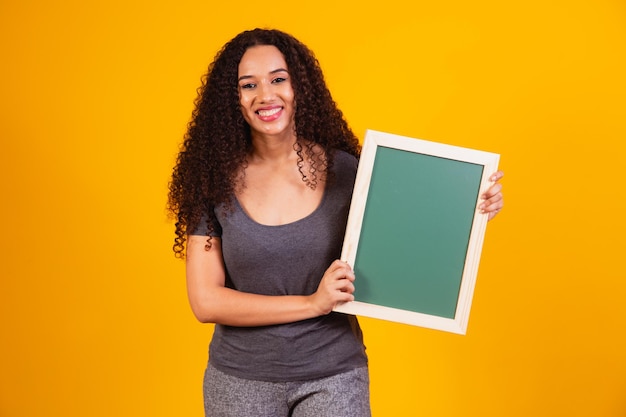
(343, 395)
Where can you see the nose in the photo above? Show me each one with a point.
(265, 91)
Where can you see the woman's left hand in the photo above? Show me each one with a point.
(492, 198)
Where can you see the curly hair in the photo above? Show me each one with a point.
(218, 138)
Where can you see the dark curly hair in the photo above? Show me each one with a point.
(218, 138)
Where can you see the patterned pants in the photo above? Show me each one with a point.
(343, 395)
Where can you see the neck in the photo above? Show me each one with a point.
(272, 148)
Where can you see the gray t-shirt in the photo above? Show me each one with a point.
(288, 259)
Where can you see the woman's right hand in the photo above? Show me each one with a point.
(336, 286)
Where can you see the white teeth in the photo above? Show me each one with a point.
(266, 113)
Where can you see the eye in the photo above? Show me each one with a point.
(247, 86)
(279, 80)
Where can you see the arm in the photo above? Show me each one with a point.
(492, 198)
(212, 302)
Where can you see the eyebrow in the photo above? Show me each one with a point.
(245, 77)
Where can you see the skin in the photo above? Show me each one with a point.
(272, 193)
(492, 199)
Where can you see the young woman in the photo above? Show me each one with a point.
(261, 191)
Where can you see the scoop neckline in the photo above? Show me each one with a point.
(308, 216)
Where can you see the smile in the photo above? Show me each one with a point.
(268, 113)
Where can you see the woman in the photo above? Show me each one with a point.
(261, 192)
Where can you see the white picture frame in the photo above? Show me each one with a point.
(414, 155)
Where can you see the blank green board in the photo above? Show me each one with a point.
(415, 231)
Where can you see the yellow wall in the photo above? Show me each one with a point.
(94, 101)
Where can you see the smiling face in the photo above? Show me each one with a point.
(265, 92)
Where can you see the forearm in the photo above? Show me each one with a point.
(235, 308)
(213, 302)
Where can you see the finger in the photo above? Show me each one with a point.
(345, 286)
(493, 204)
(341, 271)
(493, 209)
(493, 199)
(339, 265)
(343, 297)
(496, 176)
(492, 191)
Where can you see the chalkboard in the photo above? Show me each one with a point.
(415, 233)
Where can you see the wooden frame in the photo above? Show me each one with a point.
(414, 233)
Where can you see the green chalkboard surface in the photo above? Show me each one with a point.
(416, 228)
(414, 232)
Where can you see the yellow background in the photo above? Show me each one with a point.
(95, 98)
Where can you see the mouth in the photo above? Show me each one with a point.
(268, 112)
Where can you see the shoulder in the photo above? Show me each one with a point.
(344, 161)
(344, 168)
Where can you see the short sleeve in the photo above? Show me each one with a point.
(201, 229)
